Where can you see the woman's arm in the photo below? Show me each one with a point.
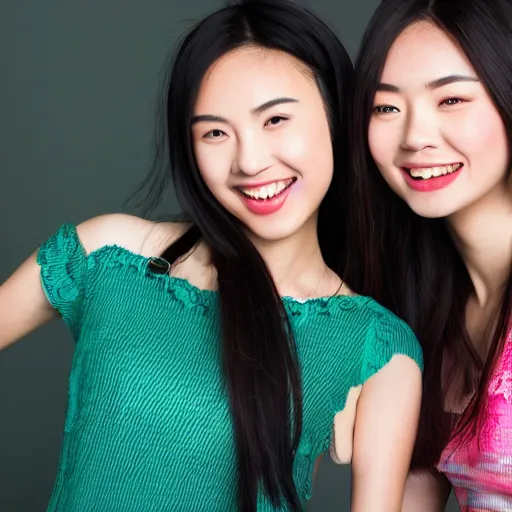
(385, 430)
(23, 304)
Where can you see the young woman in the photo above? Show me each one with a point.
(216, 359)
(432, 139)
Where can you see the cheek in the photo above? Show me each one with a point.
(308, 150)
(483, 139)
(293, 143)
(213, 164)
(382, 142)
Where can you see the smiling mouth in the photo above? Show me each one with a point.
(427, 173)
(266, 192)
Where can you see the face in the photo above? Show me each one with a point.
(435, 134)
(262, 142)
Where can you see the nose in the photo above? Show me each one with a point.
(420, 131)
(253, 155)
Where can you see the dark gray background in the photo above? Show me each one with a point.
(77, 93)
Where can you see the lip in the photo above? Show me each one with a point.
(432, 184)
(265, 206)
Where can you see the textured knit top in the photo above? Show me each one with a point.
(481, 469)
(148, 425)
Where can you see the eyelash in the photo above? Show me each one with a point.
(209, 134)
(267, 123)
(457, 101)
(281, 118)
(379, 108)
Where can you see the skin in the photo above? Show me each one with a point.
(422, 124)
(289, 139)
(448, 121)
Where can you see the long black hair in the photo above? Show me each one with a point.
(409, 263)
(259, 355)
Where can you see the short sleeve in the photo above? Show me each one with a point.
(389, 336)
(63, 263)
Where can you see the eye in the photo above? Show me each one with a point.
(451, 101)
(275, 120)
(385, 109)
(214, 134)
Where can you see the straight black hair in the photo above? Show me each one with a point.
(259, 354)
(408, 263)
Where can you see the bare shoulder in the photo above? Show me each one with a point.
(133, 233)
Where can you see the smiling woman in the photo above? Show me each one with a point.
(216, 359)
(263, 198)
(264, 156)
(432, 143)
(432, 118)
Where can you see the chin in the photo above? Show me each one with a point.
(269, 230)
(433, 210)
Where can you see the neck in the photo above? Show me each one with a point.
(296, 263)
(483, 235)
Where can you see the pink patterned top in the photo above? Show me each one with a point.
(482, 479)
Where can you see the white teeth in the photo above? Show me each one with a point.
(427, 172)
(268, 191)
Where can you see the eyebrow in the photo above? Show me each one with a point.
(258, 110)
(441, 82)
(272, 103)
(435, 84)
